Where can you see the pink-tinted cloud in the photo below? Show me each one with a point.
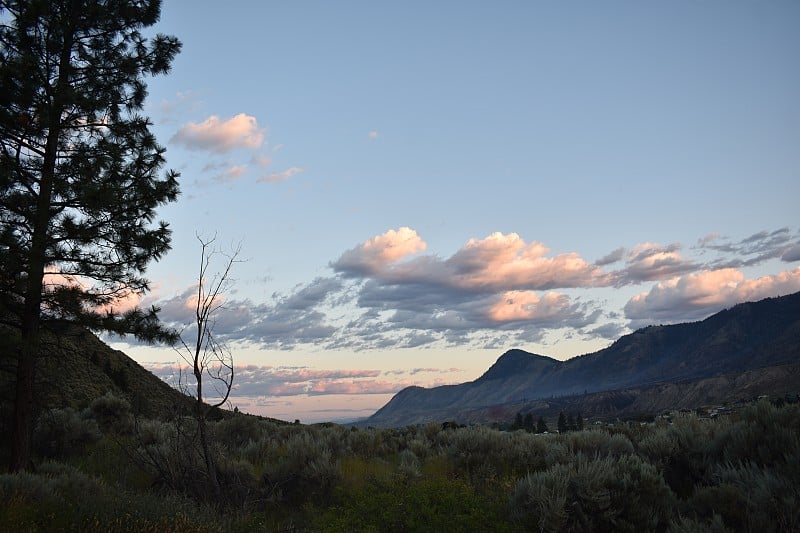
(119, 299)
(506, 262)
(699, 294)
(379, 252)
(497, 263)
(216, 135)
(278, 177)
(528, 306)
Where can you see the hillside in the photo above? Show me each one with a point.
(76, 367)
(749, 336)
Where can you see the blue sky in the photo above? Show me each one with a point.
(419, 187)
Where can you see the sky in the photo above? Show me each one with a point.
(418, 187)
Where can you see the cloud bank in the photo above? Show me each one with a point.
(263, 381)
(390, 291)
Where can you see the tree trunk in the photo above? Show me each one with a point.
(37, 261)
(211, 468)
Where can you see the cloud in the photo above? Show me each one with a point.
(700, 294)
(791, 254)
(373, 135)
(390, 291)
(261, 160)
(233, 173)
(496, 263)
(182, 102)
(650, 262)
(220, 136)
(612, 257)
(506, 262)
(755, 249)
(527, 305)
(266, 381)
(115, 299)
(377, 253)
(487, 285)
(278, 177)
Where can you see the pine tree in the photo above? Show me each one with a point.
(541, 426)
(528, 423)
(519, 422)
(562, 422)
(80, 173)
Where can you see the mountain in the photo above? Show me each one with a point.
(733, 342)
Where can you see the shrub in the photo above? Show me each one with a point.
(605, 494)
(402, 504)
(237, 432)
(409, 464)
(112, 414)
(305, 470)
(60, 498)
(62, 432)
(538, 500)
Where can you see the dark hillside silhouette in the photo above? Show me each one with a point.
(749, 336)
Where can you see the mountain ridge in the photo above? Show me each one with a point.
(745, 337)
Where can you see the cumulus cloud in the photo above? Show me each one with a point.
(221, 136)
(506, 262)
(527, 305)
(700, 294)
(278, 177)
(489, 284)
(496, 263)
(376, 254)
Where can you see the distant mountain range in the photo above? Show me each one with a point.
(750, 349)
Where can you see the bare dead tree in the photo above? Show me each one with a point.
(208, 357)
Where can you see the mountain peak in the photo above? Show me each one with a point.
(517, 361)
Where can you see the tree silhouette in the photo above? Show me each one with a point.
(207, 356)
(529, 425)
(80, 174)
(562, 422)
(519, 422)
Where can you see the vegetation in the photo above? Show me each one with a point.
(102, 468)
(79, 175)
